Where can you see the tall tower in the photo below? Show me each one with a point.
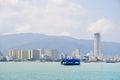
(97, 44)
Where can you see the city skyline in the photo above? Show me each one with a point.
(61, 18)
(42, 54)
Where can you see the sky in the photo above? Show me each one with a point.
(75, 18)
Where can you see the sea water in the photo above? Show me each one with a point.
(56, 71)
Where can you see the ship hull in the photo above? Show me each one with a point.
(70, 61)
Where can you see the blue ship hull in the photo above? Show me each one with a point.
(70, 61)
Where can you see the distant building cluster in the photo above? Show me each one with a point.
(38, 54)
(54, 55)
(24, 54)
(74, 54)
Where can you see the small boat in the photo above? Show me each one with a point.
(66, 61)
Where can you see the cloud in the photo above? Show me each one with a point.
(51, 17)
(58, 2)
(6, 2)
(102, 26)
(65, 34)
(22, 28)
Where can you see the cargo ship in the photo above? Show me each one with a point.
(67, 61)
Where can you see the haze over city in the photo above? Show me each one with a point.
(75, 18)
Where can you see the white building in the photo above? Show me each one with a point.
(97, 44)
(41, 53)
(25, 54)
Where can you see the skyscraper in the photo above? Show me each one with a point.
(97, 44)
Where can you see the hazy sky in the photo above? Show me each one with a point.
(75, 18)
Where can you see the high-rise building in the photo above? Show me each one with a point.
(97, 44)
(41, 53)
(25, 54)
(16, 54)
(35, 54)
(51, 53)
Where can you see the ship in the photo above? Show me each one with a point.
(73, 61)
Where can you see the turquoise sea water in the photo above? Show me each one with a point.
(56, 71)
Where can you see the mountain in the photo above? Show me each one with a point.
(61, 43)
